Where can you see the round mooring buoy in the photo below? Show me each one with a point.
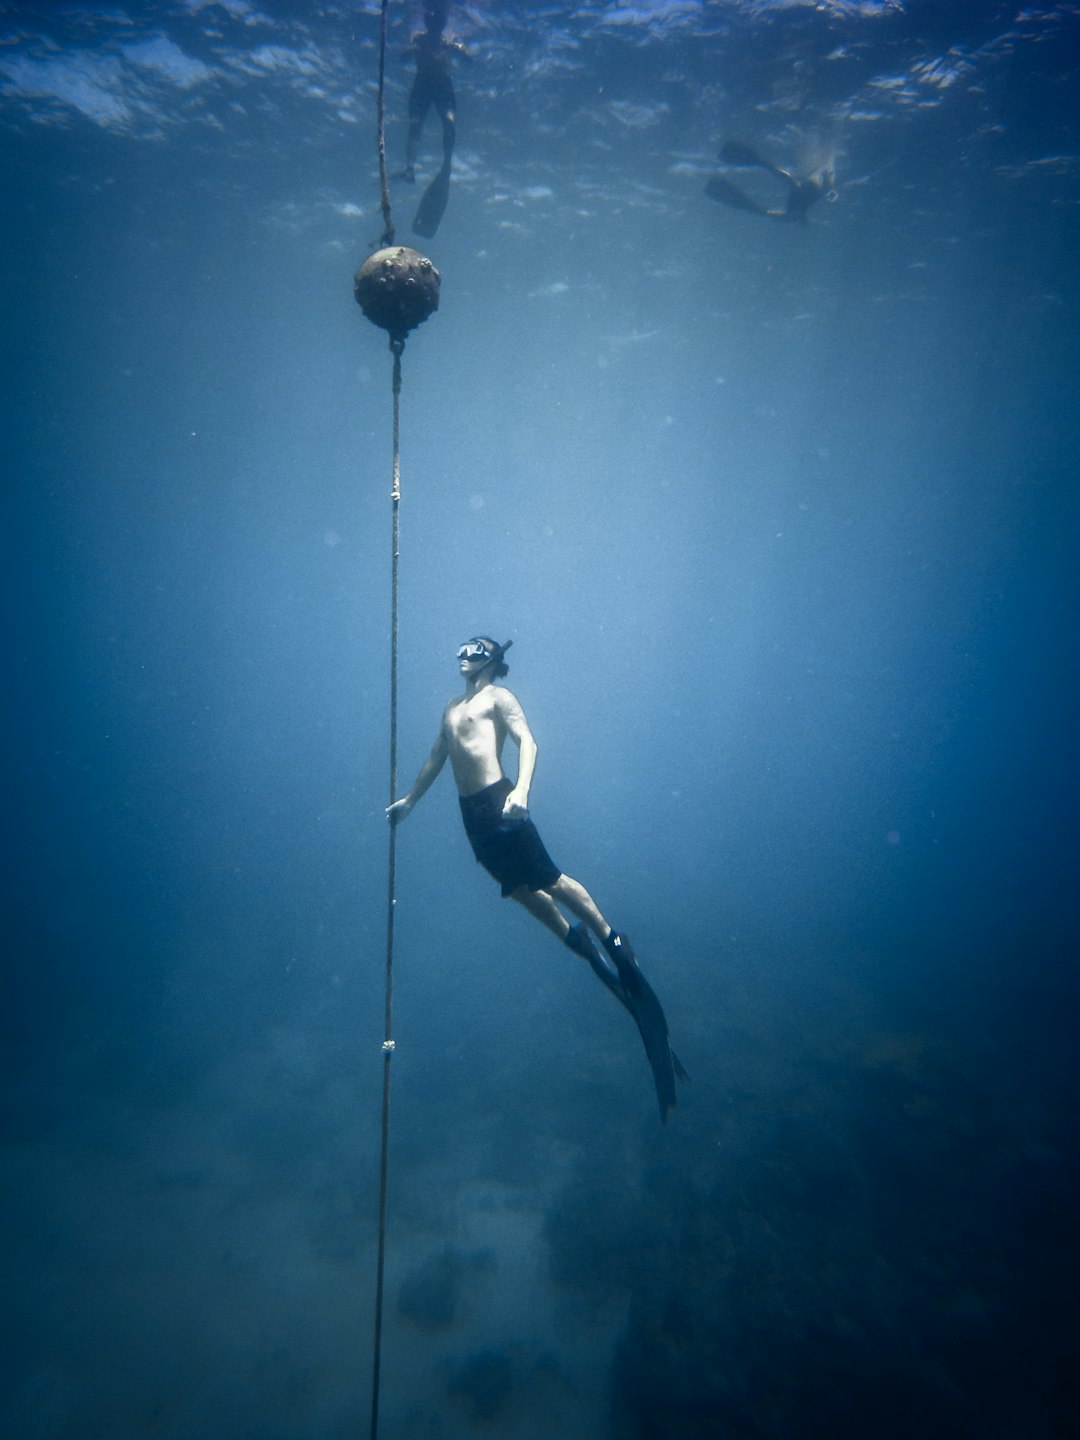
(397, 289)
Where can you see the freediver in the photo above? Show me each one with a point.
(801, 194)
(433, 86)
(505, 841)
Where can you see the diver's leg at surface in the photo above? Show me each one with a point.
(449, 133)
(418, 104)
(432, 207)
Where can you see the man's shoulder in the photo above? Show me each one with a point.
(505, 699)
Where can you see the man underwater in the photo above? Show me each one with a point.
(506, 842)
(433, 85)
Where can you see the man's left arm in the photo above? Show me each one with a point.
(517, 727)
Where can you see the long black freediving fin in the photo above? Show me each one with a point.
(432, 205)
(647, 1011)
(628, 985)
(717, 188)
(581, 943)
(737, 152)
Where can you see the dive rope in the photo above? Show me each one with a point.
(396, 345)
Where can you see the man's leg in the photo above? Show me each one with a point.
(620, 974)
(571, 893)
(418, 104)
(449, 132)
(540, 904)
(575, 937)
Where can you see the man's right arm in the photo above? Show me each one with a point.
(428, 773)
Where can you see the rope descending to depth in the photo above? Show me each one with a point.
(396, 346)
(391, 894)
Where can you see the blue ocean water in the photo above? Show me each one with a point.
(782, 520)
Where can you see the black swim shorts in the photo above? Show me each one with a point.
(509, 849)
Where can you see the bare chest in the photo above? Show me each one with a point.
(472, 724)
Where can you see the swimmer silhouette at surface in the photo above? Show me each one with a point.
(801, 194)
(433, 85)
